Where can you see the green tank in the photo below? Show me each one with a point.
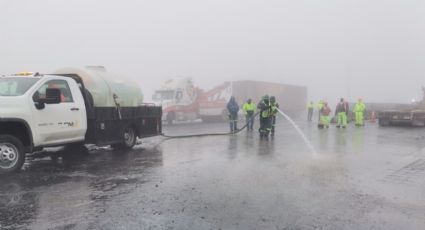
(104, 85)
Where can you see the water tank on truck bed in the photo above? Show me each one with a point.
(103, 86)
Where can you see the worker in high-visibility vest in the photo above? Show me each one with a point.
(359, 111)
(341, 113)
(310, 110)
(275, 107)
(249, 109)
(325, 116)
(265, 116)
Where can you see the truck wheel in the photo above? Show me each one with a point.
(129, 139)
(12, 155)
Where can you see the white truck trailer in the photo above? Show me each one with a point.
(181, 100)
(70, 107)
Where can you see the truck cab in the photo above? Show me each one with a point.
(55, 110)
(37, 112)
(178, 98)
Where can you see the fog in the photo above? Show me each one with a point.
(361, 48)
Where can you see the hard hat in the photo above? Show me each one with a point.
(273, 98)
(266, 97)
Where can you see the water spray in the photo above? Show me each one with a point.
(300, 132)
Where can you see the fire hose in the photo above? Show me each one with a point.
(211, 134)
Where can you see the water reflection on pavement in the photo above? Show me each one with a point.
(361, 178)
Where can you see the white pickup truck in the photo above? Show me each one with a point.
(57, 110)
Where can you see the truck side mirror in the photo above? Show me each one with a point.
(53, 96)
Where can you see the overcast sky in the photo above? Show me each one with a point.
(373, 49)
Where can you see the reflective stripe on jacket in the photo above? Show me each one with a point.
(265, 109)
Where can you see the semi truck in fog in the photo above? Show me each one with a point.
(70, 108)
(179, 99)
(182, 100)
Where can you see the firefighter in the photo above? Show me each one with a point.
(265, 116)
(249, 109)
(325, 116)
(233, 108)
(310, 109)
(274, 106)
(341, 113)
(359, 110)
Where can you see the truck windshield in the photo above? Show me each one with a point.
(163, 95)
(15, 86)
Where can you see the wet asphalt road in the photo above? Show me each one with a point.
(360, 178)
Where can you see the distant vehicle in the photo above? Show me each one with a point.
(411, 115)
(70, 108)
(179, 100)
(182, 101)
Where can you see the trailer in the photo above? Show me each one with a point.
(182, 100)
(406, 118)
(212, 104)
(406, 115)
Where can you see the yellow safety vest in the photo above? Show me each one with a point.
(249, 107)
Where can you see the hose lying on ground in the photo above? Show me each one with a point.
(211, 134)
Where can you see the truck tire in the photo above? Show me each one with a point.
(129, 139)
(12, 155)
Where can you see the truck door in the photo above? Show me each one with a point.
(64, 122)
